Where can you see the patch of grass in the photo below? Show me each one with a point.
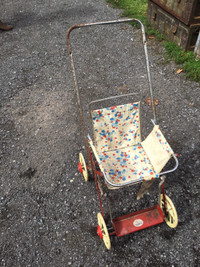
(176, 53)
(132, 8)
(136, 9)
(186, 60)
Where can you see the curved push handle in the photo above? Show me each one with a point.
(103, 23)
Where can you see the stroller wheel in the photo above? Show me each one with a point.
(103, 231)
(171, 217)
(82, 167)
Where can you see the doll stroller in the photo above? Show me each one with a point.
(117, 155)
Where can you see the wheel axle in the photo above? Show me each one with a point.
(99, 232)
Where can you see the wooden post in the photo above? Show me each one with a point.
(197, 47)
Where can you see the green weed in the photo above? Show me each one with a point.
(186, 60)
(131, 8)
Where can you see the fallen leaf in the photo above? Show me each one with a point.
(156, 102)
(179, 71)
(148, 101)
(151, 37)
(124, 28)
(122, 88)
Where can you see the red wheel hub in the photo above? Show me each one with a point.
(80, 168)
(99, 232)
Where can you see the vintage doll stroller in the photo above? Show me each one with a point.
(119, 156)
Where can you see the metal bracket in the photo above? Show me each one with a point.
(162, 180)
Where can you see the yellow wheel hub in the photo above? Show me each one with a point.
(171, 218)
(84, 167)
(104, 230)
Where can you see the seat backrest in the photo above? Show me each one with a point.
(157, 149)
(116, 127)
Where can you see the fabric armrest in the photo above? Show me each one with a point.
(157, 149)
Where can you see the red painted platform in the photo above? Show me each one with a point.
(136, 221)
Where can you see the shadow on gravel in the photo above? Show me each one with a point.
(31, 18)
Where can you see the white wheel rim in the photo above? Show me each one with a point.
(172, 217)
(104, 230)
(84, 167)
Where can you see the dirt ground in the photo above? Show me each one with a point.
(47, 211)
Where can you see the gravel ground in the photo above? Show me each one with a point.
(47, 212)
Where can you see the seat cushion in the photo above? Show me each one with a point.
(129, 164)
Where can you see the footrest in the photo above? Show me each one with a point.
(137, 220)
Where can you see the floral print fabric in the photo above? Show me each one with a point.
(116, 127)
(162, 140)
(118, 149)
(124, 165)
(157, 149)
(127, 164)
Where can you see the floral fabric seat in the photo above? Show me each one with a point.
(127, 164)
(116, 127)
(121, 155)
